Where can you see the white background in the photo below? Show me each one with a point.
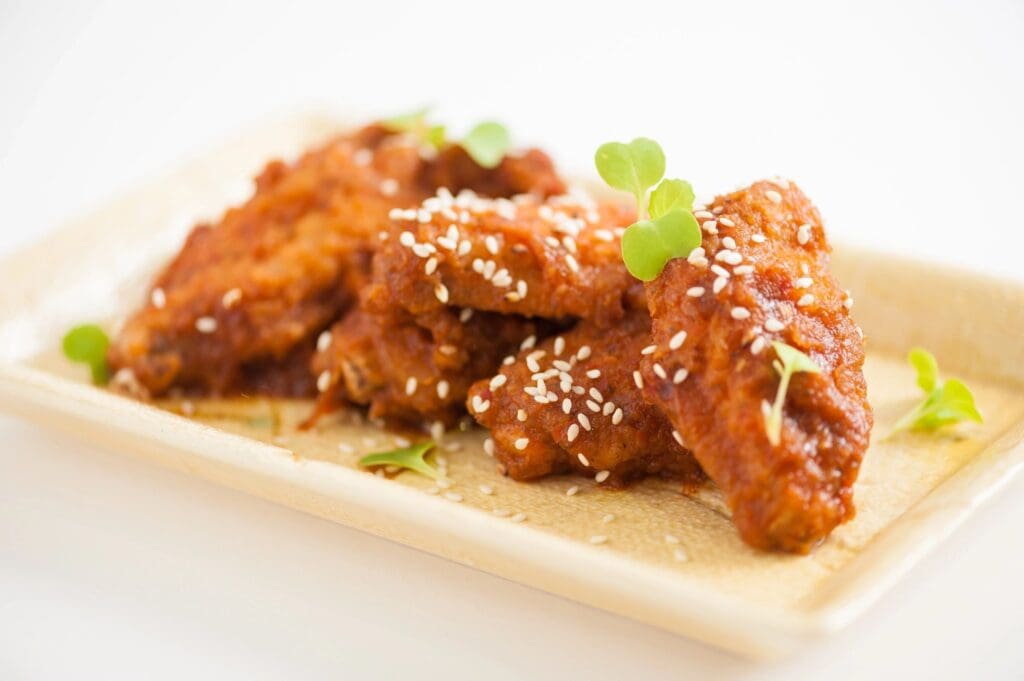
(902, 120)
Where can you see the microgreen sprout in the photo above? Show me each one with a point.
(417, 125)
(789, 361)
(88, 344)
(945, 402)
(410, 458)
(665, 226)
(486, 143)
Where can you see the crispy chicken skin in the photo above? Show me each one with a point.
(766, 249)
(244, 293)
(557, 258)
(408, 368)
(589, 418)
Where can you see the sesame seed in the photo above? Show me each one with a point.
(431, 266)
(561, 365)
(583, 353)
(608, 408)
(638, 379)
(729, 257)
(442, 389)
(677, 340)
(649, 350)
(680, 376)
(774, 325)
(703, 214)
(407, 239)
(389, 186)
(758, 345)
(489, 447)
(410, 385)
(711, 227)
(158, 298)
(680, 555)
(598, 539)
(594, 373)
(572, 491)
(757, 238)
(773, 196)
(559, 346)
(695, 291)
(486, 489)
(447, 349)
(803, 282)
(498, 381)
(720, 271)
(509, 361)
(805, 299)
(491, 242)
(583, 459)
(423, 250)
(323, 341)
(584, 421)
(848, 301)
(678, 438)
(480, 405)
(528, 342)
(596, 394)
(466, 314)
(594, 406)
(518, 517)
(660, 371)
(571, 262)
(206, 325)
(604, 235)
(521, 288)
(522, 443)
(726, 222)
(402, 441)
(617, 416)
(521, 415)
(323, 381)
(740, 313)
(729, 242)
(566, 405)
(719, 284)
(346, 448)
(601, 476)
(803, 234)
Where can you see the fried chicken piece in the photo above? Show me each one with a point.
(409, 368)
(242, 294)
(554, 259)
(765, 277)
(591, 419)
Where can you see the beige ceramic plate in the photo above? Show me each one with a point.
(672, 560)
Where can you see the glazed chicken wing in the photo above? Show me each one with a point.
(413, 368)
(556, 258)
(570, 404)
(763, 276)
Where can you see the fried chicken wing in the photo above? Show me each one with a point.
(244, 293)
(763, 276)
(412, 368)
(554, 259)
(570, 404)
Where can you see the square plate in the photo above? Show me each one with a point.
(673, 560)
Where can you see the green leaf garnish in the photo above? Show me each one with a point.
(633, 167)
(487, 143)
(648, 244)
(416, 124)
(410, 458)
(671, 231)
(790, 361)
(88, 344)
(945, 402)
(670, 195)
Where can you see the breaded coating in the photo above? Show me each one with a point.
(244, 293)
(763, 275)
(555, 259)
(414, 369)
(570, 404)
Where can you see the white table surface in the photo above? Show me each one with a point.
(903, 122)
